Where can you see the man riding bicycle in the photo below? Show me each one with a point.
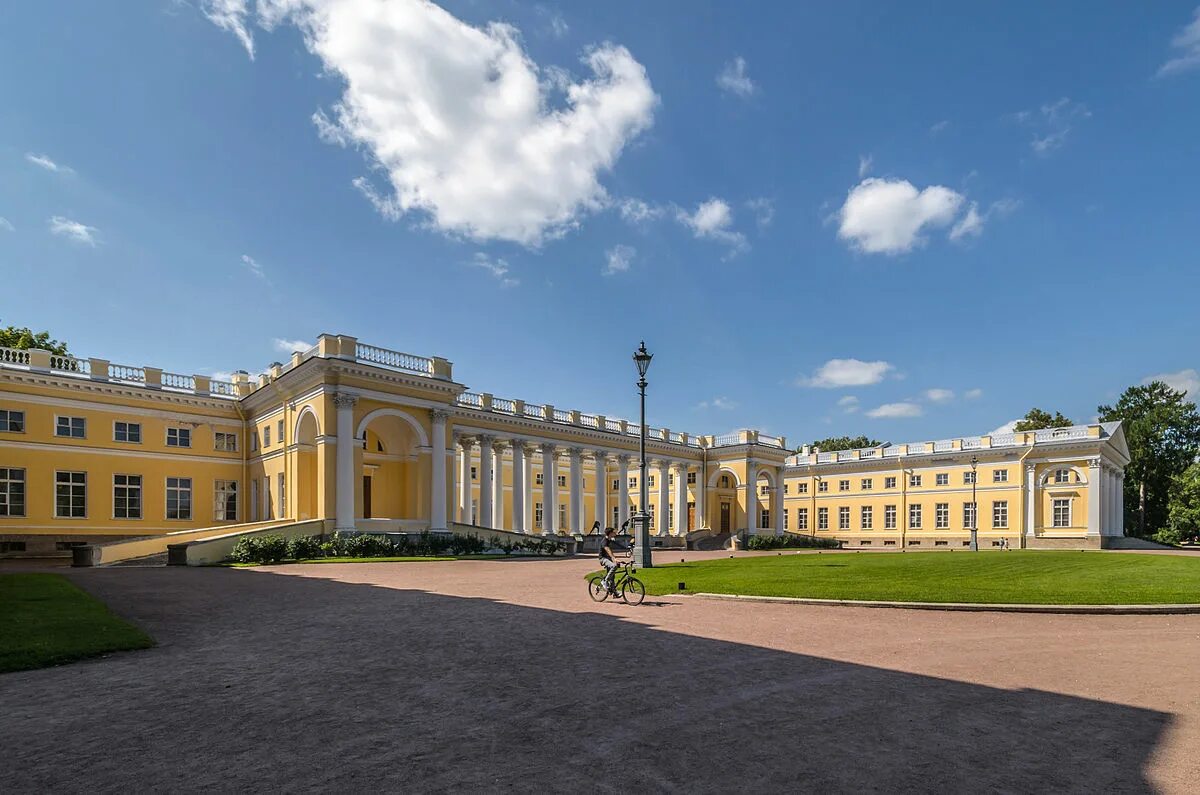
(606, 558)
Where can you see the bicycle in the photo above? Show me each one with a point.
(624, 585)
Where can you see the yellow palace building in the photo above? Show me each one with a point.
(351, 436)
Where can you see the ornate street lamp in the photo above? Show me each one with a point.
(642, 357)
(974, 506)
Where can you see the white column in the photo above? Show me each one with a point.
(455, 470)
(529, 489)
(437, 496)
(601, 504)
(549, 490)
(498, 485)
(1121, 503)
(623, 491)
(518, 485)
(1031, 490)
(752, 517)
(1095, 495)
(344, 518)
(468, 498)
(777, 508)
(701, 496)
(664, 497)
(485, 480)
(575, 516)
(680, 498)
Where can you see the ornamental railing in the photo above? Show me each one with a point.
(14, 356)
(395, 360)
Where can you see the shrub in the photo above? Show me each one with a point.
(789, 541)
(260, 549)
(304, 548)
(1169, 535)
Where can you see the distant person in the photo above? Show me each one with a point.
(606, 558)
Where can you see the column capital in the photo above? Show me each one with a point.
(499, 445)
(521, 443)
(344, 400)
(1030, 468)
(576, 453)
(600, 456)
(547, 448)
(467, 443)
(486, 440)
(624, 458)
(439, 415)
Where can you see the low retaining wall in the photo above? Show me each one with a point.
(112, 552)
(216, 549)
(490, 534)
(970, 607)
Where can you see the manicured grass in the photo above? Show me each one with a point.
(45, 620)
(1015, 577)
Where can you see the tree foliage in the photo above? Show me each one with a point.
(1035, 420)
(844, 443)
(1162, 429)
(24, 338)
(1183, 506)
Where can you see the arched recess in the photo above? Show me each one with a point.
(308, 429)
(715, 478)
(392, 469)
(722, 508)
(422, 437)
(1047, 478)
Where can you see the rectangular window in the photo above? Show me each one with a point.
(1062, 476)
(914, 516)
(889, 483)
(866, 517)
(802, 488)
(801, 518)
(650, 481)
(671, 516)
(1062, 513)
(225, 442)
(70, 495)
(225, 507)
(633, 483)
(12, 421)
(1000, 514)
(616, 511)
(562, 517)
(785, 488)
(127, 496)
(474, 473)
(942, 479)
(179, 498)
(537, 515)
(822, 518)
(969, 517)
(764, 490)
(914, 480)
(12, 491)
(968, 478)
(130, 432)
(691, 478)
(279, 431)
(724, 481)
(266, 499)
(254, 440)
(889, 517)
(616, 484)
(179, 437)
(843, 485)
(71, 427)
(823, 486)
(537, 479)
(941, 543)
(867, 484)
(282, 495)
(267, 436)
(844, 518)
(941, 515)
(562, 480)
(785, 519)
(254, 500)
(671, 479)
(999, 475)
(12, 546)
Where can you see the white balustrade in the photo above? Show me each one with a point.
(395, 360)
(123, 372)
(14, 356)
(178, 381)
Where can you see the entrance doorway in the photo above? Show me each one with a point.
(725, 519)
(366, 496)
(691, 517)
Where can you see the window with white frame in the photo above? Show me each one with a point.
(866, 517)
(1000, 514)
(914, 516)
(266, 430)
(127, 496)
(130, 432)
(941, 515)
(225, 442)
(914, 480)
(671, 516)
(823, 486)
(1062, 476)
(999, 475)
(844, 517)
(70, 495)
(942, 479)
(969, 517)
(843, 485)
(254, 441)
(537, 515)
(279, 430)
(889, 483)
(474, 473)
(254, 501)
(691, 479)
(968, 478)
(562, 480)
(12, 491)
(12, 421)
(822, 518)
(633, 482)
(616, 516)
(70, 427)
(179, 437)
(225, 499)
(1062, 512)
(616, 484)
(764, 490)
(785, 488)
(537, 479)
(801, 518)
(282, 495)
(867, 484)
(179, 498)
(785, 519)
(670, 478)
(889, 517)
(562, 517)
(764, 518)
(650, 481)
(802, 488)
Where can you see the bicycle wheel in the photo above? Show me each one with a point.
(596, 588)
(632, 591)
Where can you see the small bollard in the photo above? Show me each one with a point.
(681, 587)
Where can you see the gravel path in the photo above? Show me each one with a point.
(482, 675)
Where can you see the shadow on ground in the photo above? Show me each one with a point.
(264, 681)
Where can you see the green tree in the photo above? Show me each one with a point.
(1163, 432)
(1036, 419)
(13, 337)
(844, 443)
(1183, 506)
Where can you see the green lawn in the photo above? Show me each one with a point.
(45, 620)
(1018, 577)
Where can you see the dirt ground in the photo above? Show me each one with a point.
(482, 675)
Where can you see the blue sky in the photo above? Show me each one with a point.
(909, 222)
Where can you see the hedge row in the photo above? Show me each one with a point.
(274, 548)
(789, 541)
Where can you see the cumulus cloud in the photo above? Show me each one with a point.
(939, 395)
(230, 15)
(712, 220)
(848, 404)
(497, 267)
(1052, 122)
(837, 373)
(973, 394)
(636, 211)
(864, 165)
(73, 230)
(1183, 381)
(734, 80)
(618, 259)
(883, 216)
(1186, 45)
(764, 211)
(289, 346)
(969, 224)
(1008, 427)
(5, 224)
(895, 411)
(723, 403)
(42, 161)
(467, 131)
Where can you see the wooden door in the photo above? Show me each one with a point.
(691, 517)
(367, 497)
(725, 517)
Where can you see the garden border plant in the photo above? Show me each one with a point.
(270, 548)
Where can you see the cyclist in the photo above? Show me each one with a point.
(606, 558)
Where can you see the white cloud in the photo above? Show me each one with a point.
(883, 216)
(465, 127)
(636, 211)
(557, 26)
(895, 411)
(713, 219)
(939, 127)
(1052, 122)
(973, 394)
(939, 395)
(723, 403)
(837, 373)
(73, 230)
(230, 15)
(1185, 381)
(254, 267)
(618, 259)
(220, 375)
(764, 211)
(6, 225)
(290, 346)
(45, 162)
(497, 267)
(969, 224)
(1187, 43)
(733, 78)
(1007, 427)
(864, 165)
(848, 404)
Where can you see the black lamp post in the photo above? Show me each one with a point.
(974, 506)
(642, 357)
